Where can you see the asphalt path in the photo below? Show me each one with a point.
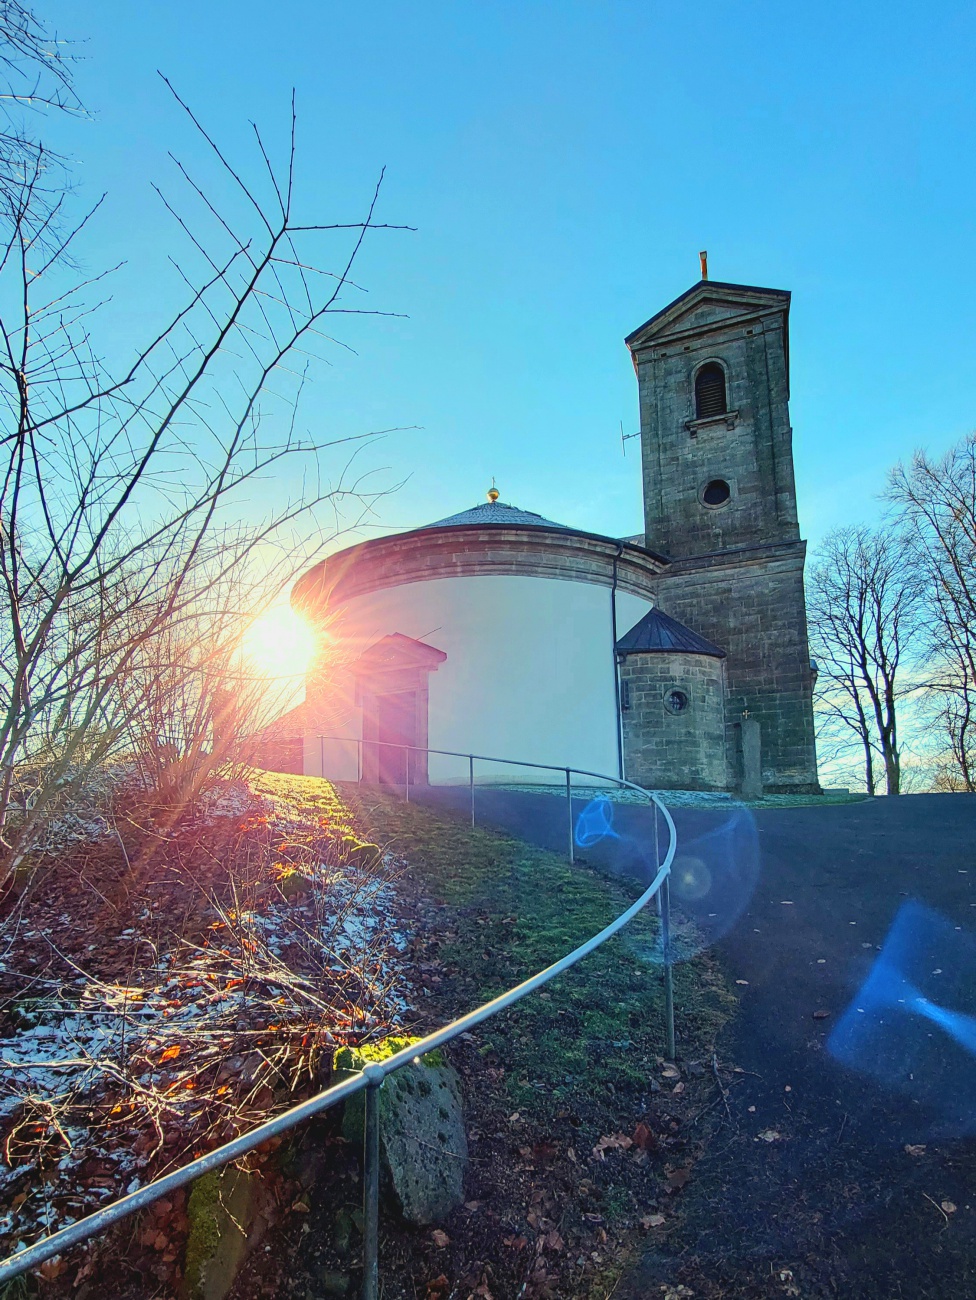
(863, 913)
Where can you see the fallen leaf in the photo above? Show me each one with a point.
(644, 1138)
(171, 1053)
(769, 1135)
(612, 1142)
(915, 1149)
(440, 1238)
(671, 1072)
(742, 982)
(679, 1178)
(300, 1207)
(652, 1221)
(948, 1207)
(821, 1015)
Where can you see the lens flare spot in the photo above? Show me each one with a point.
(911, 1026)
(595, 823)
(690, 878)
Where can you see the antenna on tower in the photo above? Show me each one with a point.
(703, 258)
(625, 438)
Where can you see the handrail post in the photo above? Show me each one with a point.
(406, 773)
(664, 912)
(668, 968)
(569, 806)
(359, 760)
(471, 783)
(371, 1194)
(321, 756)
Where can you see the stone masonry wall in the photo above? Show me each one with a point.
(674, 751)
(751, 604)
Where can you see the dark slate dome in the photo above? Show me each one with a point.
(496, 512)
(658, 633)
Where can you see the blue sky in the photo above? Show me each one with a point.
(563, 164)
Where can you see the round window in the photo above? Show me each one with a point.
(676, 701)
(716, 493)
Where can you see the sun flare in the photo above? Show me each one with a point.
(279, 644)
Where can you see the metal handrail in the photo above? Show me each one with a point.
(372, 1076)
(566, 772)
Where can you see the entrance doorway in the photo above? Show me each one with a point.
(393, 691)
(396, 717)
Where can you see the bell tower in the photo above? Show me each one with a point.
(720, 502)
(713, 374)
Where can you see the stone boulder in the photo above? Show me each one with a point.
(423, 1144)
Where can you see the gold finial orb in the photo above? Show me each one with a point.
(493, 494)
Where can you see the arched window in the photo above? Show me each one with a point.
(710, 395)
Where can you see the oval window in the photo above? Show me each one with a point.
(676, 701)
(716, 493)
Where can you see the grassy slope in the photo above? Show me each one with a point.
(513, 909)
(542, 1082)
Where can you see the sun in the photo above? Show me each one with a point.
(279, 644)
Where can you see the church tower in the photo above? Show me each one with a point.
(720, 503)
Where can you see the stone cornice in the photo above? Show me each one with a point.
(428, 553)
(737, 557)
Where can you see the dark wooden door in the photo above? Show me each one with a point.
(396, 716)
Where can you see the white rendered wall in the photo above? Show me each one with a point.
(529, 672)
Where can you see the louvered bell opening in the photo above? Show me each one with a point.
(710, 396)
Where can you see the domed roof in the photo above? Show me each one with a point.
(496, 512)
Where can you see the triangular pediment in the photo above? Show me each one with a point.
(705, 306)
(398, 651)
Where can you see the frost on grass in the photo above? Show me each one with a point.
(125, 1049)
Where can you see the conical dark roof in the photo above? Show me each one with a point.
(497, 512)
(658, 633)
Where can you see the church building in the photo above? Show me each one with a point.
(677, 659)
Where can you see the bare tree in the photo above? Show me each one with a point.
(35, 77)
(937, 499)
(122, 490)
(863, 608)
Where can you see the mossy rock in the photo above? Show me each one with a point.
(220, 1210)
(359, 853)
(423, 1144)
(293, 884)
